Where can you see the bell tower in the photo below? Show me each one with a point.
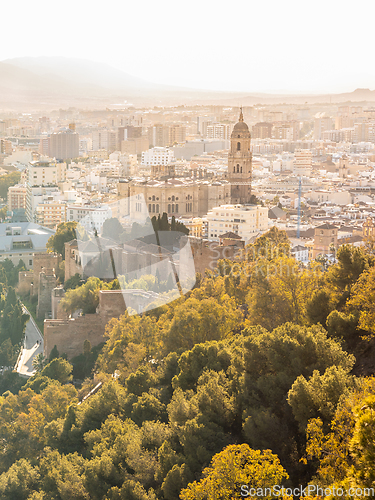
(240, 163)
(343, 166)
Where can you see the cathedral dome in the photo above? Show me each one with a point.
(241, 127)
(240, 130)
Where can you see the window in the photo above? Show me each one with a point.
(238, 146)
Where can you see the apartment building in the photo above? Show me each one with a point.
(244, 220)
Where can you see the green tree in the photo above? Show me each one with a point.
(66, 231)
(73, 282)
(84, 297)
(3, 213)
(237, 466)
(13, 321)
(319, 395)
(8, 180)
(351, 262)
(39, 362)
(19, 481)
(58, 369)
(363, 301)
(362, 445)
(318, 307)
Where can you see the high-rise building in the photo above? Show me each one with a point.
(302, 162)
(104, 139)
(6, 147)
(177, 134)
(219, 131)
(16, 197)
(262, 130)
(64, 145)
(321, 124)
(240, 163)
(158, 135)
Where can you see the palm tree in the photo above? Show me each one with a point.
(39, 362)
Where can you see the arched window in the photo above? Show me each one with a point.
(153, 208)
(234, 169)
(173, 208)
(238, 168)
(169, 209)
(149, 207)
(241, 170)
(177, 208)
(157, 208)
(153, 198)
(238, 146)
(172, 198)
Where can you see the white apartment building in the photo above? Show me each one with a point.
(336, 197)
(244, 220)
(42, 179)
(302, 162)
(219, 131)
(39, 195)
(50, 213)
(300, 253)
(89, 216)
(16, 197)
(157, 156)
(44, 173)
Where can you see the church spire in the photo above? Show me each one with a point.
(241, 115)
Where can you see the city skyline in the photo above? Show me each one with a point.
(273, 47)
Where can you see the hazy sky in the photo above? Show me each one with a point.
(289, 45)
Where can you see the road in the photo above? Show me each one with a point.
(30, 347)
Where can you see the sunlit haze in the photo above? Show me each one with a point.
(250, 46)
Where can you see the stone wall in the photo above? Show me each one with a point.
(206, 254)
(44, 261)
(72, 265)
(56, 296)
(70, 334)
(26, 283)
(47, 282)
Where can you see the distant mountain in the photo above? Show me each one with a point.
(45, 82)
(81, 72)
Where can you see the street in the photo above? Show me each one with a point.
(30, 348)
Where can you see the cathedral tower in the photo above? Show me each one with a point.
(240, 163)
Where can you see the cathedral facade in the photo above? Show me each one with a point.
(240, 163)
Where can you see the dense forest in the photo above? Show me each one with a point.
(255, 377)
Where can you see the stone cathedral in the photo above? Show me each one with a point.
(240, 163)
